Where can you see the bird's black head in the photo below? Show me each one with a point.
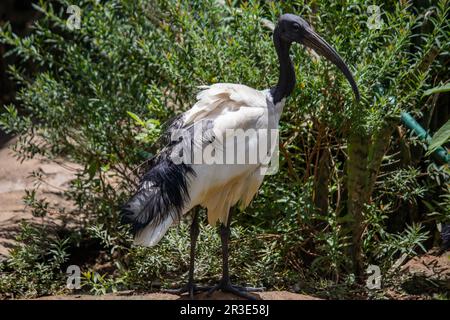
(292, 28)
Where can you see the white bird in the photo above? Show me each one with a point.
(207, 163)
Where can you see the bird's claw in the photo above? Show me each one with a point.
(243, 292)
(190, 288)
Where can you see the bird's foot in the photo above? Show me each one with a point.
(243, 292)
(191, 288)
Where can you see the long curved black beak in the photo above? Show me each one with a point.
(312, 40)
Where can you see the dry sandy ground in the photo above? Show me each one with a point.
(269, 295)
(14, 179)
(430, 266)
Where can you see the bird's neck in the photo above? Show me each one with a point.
(286, 79)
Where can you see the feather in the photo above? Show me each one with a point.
(161, 197)
(168, 190)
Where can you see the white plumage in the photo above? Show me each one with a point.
(218, 187)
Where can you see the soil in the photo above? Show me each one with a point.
(14, 180)
(269, 295)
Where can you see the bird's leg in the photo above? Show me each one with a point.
(225, 283)
(190, 286)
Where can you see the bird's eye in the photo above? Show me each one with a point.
(296, 26)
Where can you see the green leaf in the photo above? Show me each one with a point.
(441, 89)
(440, 137)
(92, 169)
(136, 118)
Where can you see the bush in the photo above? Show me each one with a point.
(34, 265)
(103, 92)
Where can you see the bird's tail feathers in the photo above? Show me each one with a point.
(153, 232)
(149, 216)
(159, 202)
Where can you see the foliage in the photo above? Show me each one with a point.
(440, 89)
(33, 266)
(251, 254)
(440, 137)
(346, 180)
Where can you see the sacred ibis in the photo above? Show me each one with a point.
(175, 183)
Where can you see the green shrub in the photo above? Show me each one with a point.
(34, 265)
(103, 91)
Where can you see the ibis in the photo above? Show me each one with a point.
(204, 163)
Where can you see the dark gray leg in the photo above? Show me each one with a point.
(225, 283)
(190, 286)
(195, 230)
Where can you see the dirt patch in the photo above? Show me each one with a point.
(269, 295)
(14, 180)
(430, 265)
(428, 274)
